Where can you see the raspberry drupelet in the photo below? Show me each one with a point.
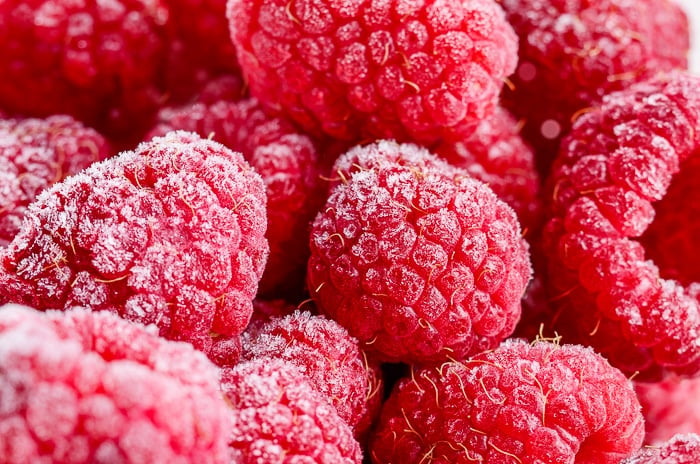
(328, 357)
(521, 402)
(571, 53)
(419, 261)
(670, 407)
(290, 166)
(363, 70)
(170, 234)
(99, 61)
(85, 387)
(279, 417)
(36, 153)
(680, 449)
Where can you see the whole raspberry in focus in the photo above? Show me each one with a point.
(170, 234)
(279, 417)
(419, 261)
(289, 164)
(328, 357)
(36, 153)
(608, 188)
(671, 406)
(358, 70)
(571, 53)
(84, 387)
(496, 154)
(524, 403)
(680, 449)
(99, 61)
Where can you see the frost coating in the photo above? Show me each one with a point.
(171, 234)
(679, 449)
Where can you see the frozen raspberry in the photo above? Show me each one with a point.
(328, 356)
(671, 406)
(496, 154)
(419, 261)
(681, 449)
(618, 162)
(170, 234)
(36, 153)
(289, 164)
(520, 403)
(573, 52)
(100, 61)
(413, 71)
(84, 387)
(279, 417)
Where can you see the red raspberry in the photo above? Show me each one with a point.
(671, 406)
(413, 71)
(279, 417)
(524, 403)
(574, 52)
(617, 161)
(497, 155)
(681, 449)
(171, 234)
(100, 61)
(83, 387)
(416, 259)
(289, 164)
(35, 153)
(328, 356)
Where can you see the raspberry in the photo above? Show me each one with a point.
(331, 359)
(100, 62)
(619, 159)
(279, 417)
(35, 153)
(671, 406)
(144, 237)
(497, 155)
(84, 387)
(419, 261)
(289, 164)
(525, 403)
(573, 53)
(413, 71)
(681, 449)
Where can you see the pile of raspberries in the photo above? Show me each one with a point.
(349, 231)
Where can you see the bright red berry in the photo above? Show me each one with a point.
(670, 407)
(680, 449)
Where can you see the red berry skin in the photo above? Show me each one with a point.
(416, 259)
(36, 153)
(279, 417)
(87, 387)
(328, 357)
(615, 166)
(525, 403)
(680, 449)
(670, 407)
(363, 70)
(288, 161)
(573, 53)
(170, 234)
(100, 62)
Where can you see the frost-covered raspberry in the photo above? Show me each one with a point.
(170, 234)
(680, 449)
(328, 356)
(571, 53)
(409, 70)
(85, 387)
(279, 417)
(612, 174)
(36, 153)
(100, 61)
(524, 403)
(671, 406)
(290, 166)
(496, 154)
(419, 261)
